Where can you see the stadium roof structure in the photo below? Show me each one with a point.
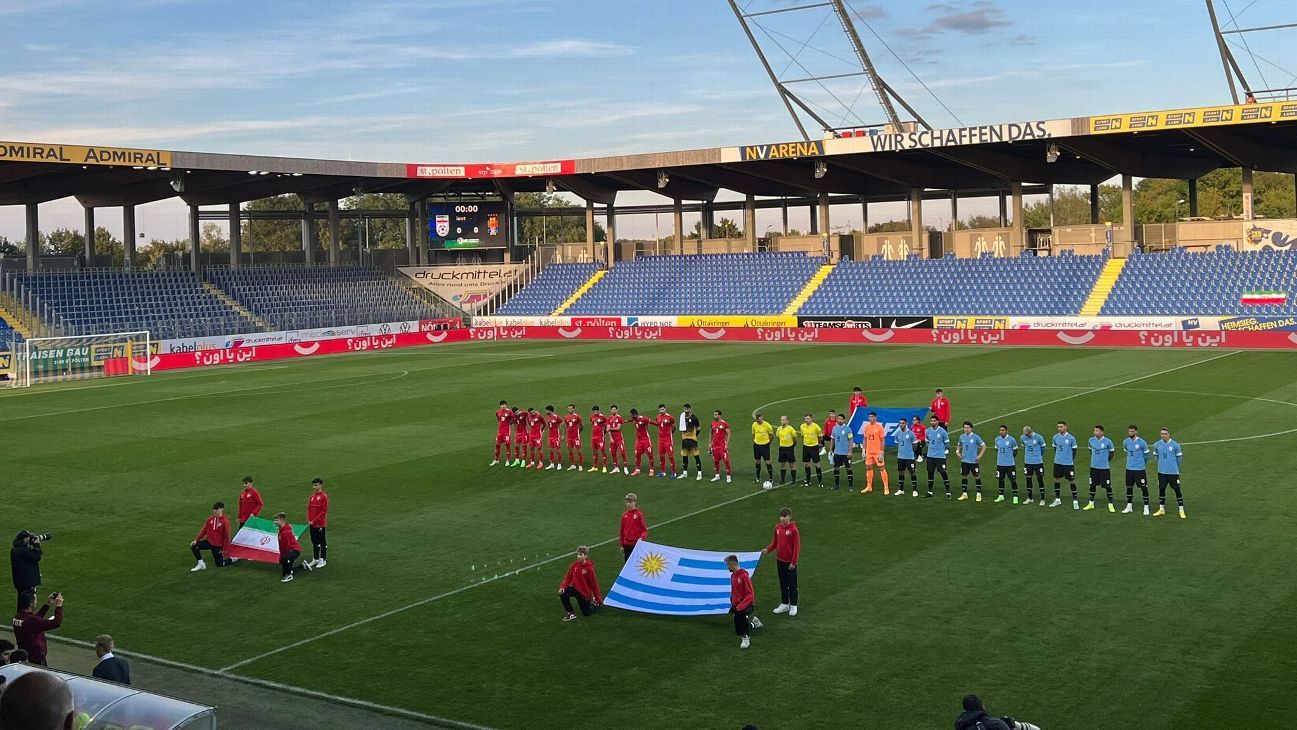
(874, 165)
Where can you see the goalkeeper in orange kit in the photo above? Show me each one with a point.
(874, 436)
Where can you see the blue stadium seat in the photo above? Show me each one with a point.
(1177, 282)
(549, 290)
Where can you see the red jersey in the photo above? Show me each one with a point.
(641, 428)
(920, 431)
(250, 504)
(598, 426)
(317, 509)
(503, 417)
(787, 543)
(741, 595)
(720, 435)
(581, 576)
(666, 423)
(216, 531)
(536, 424)
(520, 426)
(553, 421)
(615, 422)
(30, 628)
(858, 400)
(940, 408)
(829, 425)
(633, 528)
(573, 421)
(287, 540)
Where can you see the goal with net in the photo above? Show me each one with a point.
(58, 359)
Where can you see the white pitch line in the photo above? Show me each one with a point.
(461, 589)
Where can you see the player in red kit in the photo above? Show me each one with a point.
(535, 435)
(582, 584)
(633, 528)
(666, 442)
(574, 423)
(519, 438)
(787, 547)
(317, 517)
(858, 400)
(720, 447)
(214, 536)
(940, 406)
(830, 423)
(503, 420)
(250, 503)
(920, 438)
(643, 444)
(553, 422)
(598, 431)
(742, 600)
(289, 548)
(617, 442)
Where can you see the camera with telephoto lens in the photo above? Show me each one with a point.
(34, 537)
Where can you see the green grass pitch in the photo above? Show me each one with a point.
(1059, 617)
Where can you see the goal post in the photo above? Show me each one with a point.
(60, 359)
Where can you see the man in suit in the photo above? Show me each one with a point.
(111, 668)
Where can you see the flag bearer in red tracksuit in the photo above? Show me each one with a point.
(787, 547)
(633, 528)
(582, 584)
(742, 600)
(940, 406)
(214, 536)
(250, 503)
(317, 517)
(289, 548)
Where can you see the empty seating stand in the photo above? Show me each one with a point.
(302, 297)
(1177, 282)
(550, 289)
(1026, 285)
(717, 284)
(169, 304)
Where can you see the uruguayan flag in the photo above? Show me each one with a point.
(676, 581)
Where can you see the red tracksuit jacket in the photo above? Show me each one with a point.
(317, 510)
(287, 540)
(250, 504)
(787, 543)
(741, 595)
(633, 528)
(216, 531)
(581, 576)
(940, 407)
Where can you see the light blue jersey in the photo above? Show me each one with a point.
(1033, 449)
(842, 438)
(1006, 449)
(938, 442)
(904, 444)
(1101, 451)
(1064, 449)
(1136, 453)
(1168, 456)
(968, 445)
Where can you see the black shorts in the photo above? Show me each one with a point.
(1065, 471)
(810, 453)
(1005, 471)
(936, 464)
(966, 468)
(842, 460)
(761, 451)
(787, 454)
(1100, 476)
(904, 465)
(1136, 477)
(1168, 480)
(1034, 470)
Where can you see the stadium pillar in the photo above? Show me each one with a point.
(815, 219)
(589, 230)
(678, 224)
(195, 247)
(612, 235)
(33, 235)
(1004, 210)
(1019, 236)
(864, 215)
(916, 220)
(90, 233)
(335, 234)
(411, 224)
(421, 235)
(824, 214)
(709, 222)
(236, 236)
(308, 233)
(1094, 205)
(1128, 207)
(750, 222)
(1193, 197)
(128, 234)
(1248, 211)
(783, 213)
(954, 210)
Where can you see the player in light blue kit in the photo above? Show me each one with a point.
(1101, 452)
(1136, 468)
(1169, 455)
(1033, 461)
(905, 442)
(1006, 462)
(843, 439)
(971, 450)
(938, 440)
(1064, 464)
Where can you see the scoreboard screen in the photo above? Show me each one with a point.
(466, 225)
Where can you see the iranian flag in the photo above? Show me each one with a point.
(258, 540)
(1264, 297)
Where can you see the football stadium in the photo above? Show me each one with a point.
(283, 470)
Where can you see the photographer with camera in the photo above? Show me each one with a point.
(25, 562)
(30, 625)
(975, 717)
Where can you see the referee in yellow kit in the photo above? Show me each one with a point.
(762, 434)
(787, 436)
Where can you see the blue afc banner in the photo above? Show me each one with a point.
(889, 417)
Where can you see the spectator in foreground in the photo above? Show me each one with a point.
(37, 701)
(111, 668)
(975, 717)
(18, 656)
(6, 647)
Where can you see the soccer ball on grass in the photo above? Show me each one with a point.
(767, 484)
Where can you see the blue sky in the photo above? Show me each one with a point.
(499, 80)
